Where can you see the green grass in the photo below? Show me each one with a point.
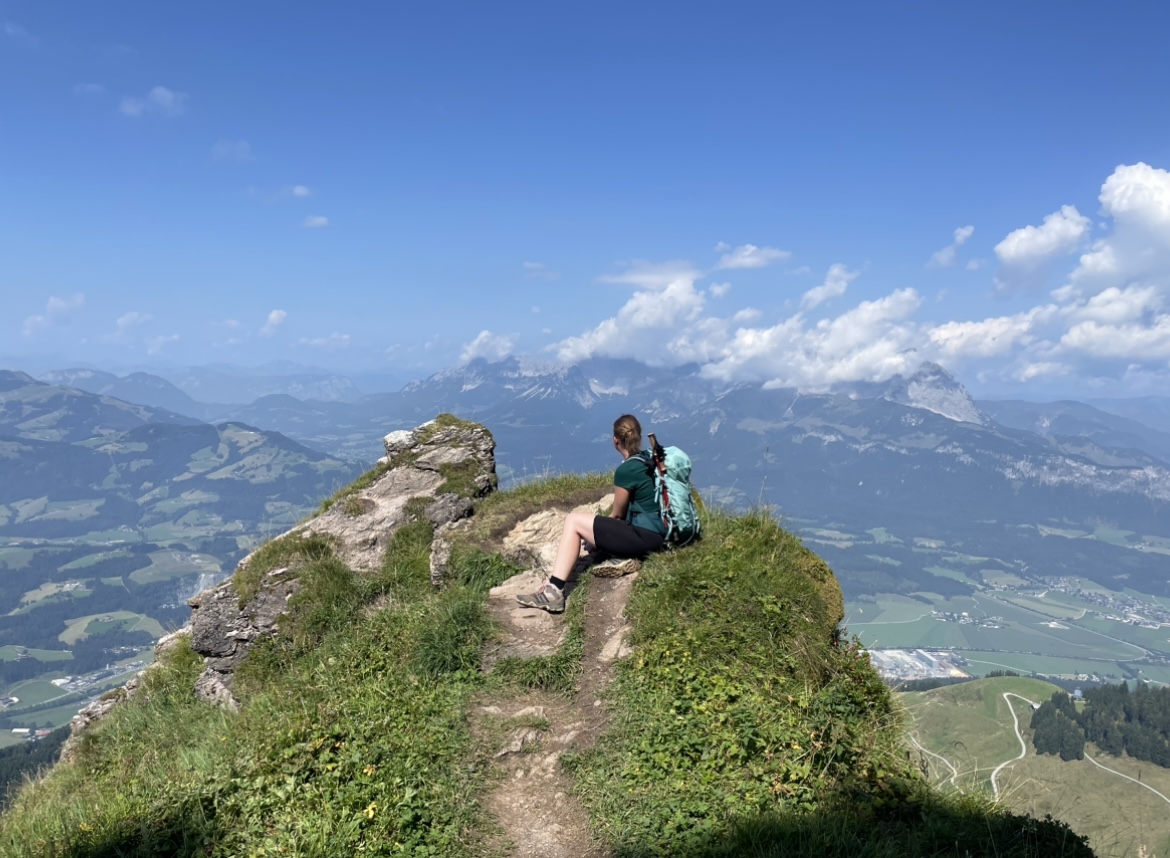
(744, 723)
(970, 724)
(12, 652)
(36, 691)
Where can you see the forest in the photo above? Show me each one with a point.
(1113, 717)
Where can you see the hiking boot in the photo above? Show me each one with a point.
(548, 598)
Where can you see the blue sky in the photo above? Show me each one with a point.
(784, 195)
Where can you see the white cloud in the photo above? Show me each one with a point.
(836, 282)
(315, 222)
(988, 337)
(155, 345)
(132, 319)
(539, 271)
(88, 89)
(945, 258)
(975, 264)
(238, 151)
(57, 312)
(160, 101)
(1025, 251)
(275, 320)
(654, 275)
(749, 256)
(1110, 319)
(491, 347)
(333, 342)
(646, 325)
(872, 341)
(300, 191)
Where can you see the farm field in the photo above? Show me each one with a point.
(11, 652)
(175, 564)
(80, 627)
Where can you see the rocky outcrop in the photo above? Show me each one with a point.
(435, 471)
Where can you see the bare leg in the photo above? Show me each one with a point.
(578, 526)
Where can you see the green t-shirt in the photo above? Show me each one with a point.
(634, 475)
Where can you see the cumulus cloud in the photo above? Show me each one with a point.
(275, 320)
(749, 256)
(331, 343)
(872, 341)
(300, 191)
(836, 282)
(654, 275)
(945, 258)
(1025, 251)
(646, 326)
(57, 312)
(238, 151)
(132, 319)
(160, 101)
(492, 347)
(1109, 320)
(315, 222)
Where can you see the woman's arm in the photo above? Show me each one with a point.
(621, 502)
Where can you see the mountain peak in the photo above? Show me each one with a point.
(930, 388)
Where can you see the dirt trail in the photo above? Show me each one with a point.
(533, 801)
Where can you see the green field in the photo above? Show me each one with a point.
(965, 724)
(954, 574)
(982, 662)
(969, 727)
(52, 588)
(35, 692)
(1049, 607)
(173, 563)
(10, 653)
(16, 558)
(56, 717)
(78, 628)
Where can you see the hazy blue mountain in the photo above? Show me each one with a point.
(238, 386)
(1065, 420)
(31, 409)
(1153, 411)
(138, 387)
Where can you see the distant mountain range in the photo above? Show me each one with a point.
(74, 463)
(915, 455)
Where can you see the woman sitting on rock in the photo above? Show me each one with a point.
(633, 530)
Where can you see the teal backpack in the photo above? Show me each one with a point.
(671, 468)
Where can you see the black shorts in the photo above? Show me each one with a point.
(618, 538)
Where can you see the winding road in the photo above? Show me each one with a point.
(1019, 738)
(945, 761)
(1024, 751)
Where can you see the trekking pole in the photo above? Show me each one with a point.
(659, 456)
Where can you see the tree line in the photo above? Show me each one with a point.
(1114, 718)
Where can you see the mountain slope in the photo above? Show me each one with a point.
(34, 410)
(382, 715)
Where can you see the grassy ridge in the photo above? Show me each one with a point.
(742, 724)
